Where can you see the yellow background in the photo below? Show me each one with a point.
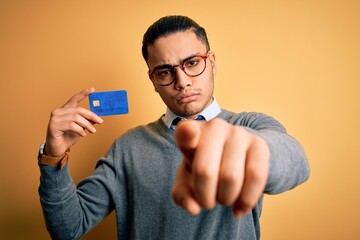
(295, 60)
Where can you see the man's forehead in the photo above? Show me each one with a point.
(175, 47)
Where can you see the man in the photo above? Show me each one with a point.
(217, 170)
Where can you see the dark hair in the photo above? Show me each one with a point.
(168, 25)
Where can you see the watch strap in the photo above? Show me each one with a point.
(53, 161)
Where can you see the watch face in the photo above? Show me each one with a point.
(41, 149)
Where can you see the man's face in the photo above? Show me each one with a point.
(186, 96)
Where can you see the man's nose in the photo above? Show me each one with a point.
(181, 79)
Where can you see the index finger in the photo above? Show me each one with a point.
(207, 161)
(77, 98)
(187, 135)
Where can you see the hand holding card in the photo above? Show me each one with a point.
(109, 102)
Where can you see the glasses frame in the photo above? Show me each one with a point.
(181, 65)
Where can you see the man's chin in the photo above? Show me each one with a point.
(189, 111)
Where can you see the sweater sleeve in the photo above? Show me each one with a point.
(71, 211)
(288, 162)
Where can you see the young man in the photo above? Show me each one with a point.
(217, 170)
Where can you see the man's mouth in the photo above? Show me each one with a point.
(186, 97)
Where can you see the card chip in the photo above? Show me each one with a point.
(96, 103)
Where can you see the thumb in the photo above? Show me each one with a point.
(77, 98)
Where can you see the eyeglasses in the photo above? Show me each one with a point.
(192, 66)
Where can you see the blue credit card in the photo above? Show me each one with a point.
(109, 102)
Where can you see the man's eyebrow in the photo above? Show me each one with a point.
(163, 66)
(189, 57)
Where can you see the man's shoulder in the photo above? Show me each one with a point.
(254, 120)
(231, 116)
(154, 128)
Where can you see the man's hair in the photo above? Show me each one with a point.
(169, 25)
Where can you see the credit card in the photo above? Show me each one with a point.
(109, 102)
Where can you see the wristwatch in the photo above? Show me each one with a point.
(41, 150)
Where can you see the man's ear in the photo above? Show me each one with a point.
(154, 85)
(213, 62)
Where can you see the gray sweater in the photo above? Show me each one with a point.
(135, 179)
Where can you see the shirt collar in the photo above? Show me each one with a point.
(208, 113)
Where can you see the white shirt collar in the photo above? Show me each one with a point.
(208, 113)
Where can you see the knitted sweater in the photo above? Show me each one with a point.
(136, 176)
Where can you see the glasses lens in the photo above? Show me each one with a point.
(194, 66)
(164, 76)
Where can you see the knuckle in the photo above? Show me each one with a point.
(55, 112)
(73, 98)
(248, 204)
(240, 134)
(74, 127)
(253, 174)
(54, 118)
(76, 118)
(203, 172)
(229, 178)
(71, 125)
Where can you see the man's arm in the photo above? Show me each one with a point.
(234, 165)
(288, 165)
(69, 211)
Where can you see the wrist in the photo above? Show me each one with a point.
(45, 159)
(49, 151)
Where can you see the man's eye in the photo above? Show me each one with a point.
(163, 73)
(191, 63)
